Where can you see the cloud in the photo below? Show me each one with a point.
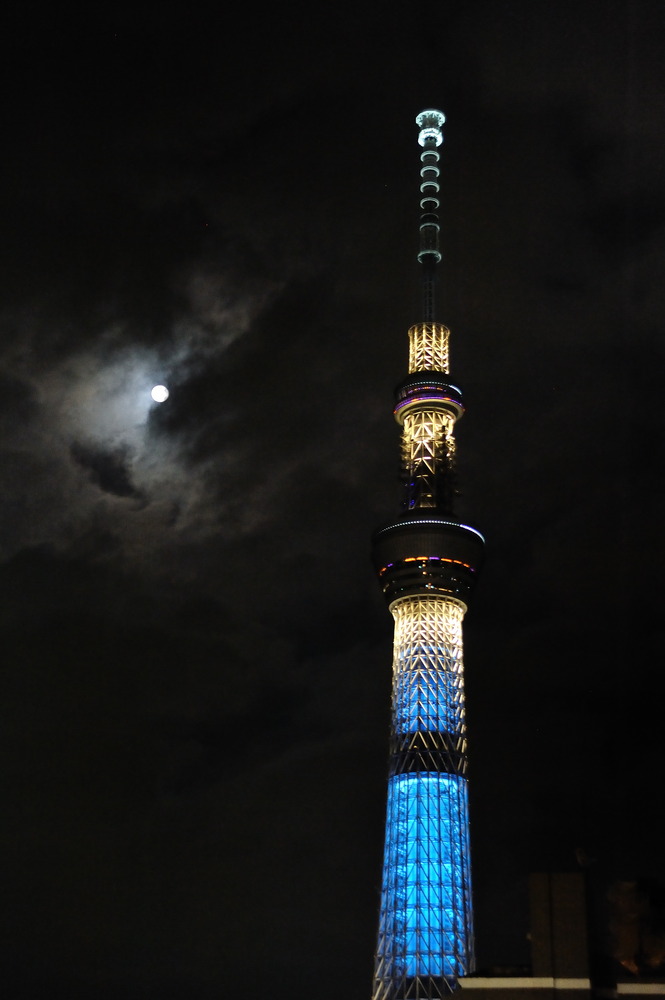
(108, 469)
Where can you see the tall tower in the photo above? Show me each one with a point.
(427, 561)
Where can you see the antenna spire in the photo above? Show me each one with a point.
(430, 138)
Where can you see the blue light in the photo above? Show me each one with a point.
(428, 697)
(426, 877)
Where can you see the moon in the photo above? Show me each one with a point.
(159, 393)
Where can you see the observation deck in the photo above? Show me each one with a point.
(432, 390)
(422, 554)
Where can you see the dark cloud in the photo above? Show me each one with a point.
(110, 470)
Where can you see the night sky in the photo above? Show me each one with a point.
(195, 653)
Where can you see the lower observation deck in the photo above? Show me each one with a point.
(427, 555)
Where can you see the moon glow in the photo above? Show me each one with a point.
(160, 393)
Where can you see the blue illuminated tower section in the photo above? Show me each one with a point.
(427, 562)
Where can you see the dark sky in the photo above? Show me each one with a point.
(196, 656)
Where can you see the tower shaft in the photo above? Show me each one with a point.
(427, 561)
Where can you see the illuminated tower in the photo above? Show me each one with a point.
(427, 563)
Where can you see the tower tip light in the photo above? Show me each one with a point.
(429, 122)
(430, 138)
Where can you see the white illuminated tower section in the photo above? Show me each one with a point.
(427, 562)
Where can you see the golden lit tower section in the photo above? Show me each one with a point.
(427, 563)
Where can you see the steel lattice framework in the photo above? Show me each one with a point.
(426, 561)
(428, 449)
(428, 678)
(428, 347)
(425, 917)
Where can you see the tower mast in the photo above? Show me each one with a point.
(427, 562)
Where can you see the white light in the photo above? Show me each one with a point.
(160, 393)
(430, 133)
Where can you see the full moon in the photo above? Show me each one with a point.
(160, 393)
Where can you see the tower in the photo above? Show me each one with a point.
(427, 561)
